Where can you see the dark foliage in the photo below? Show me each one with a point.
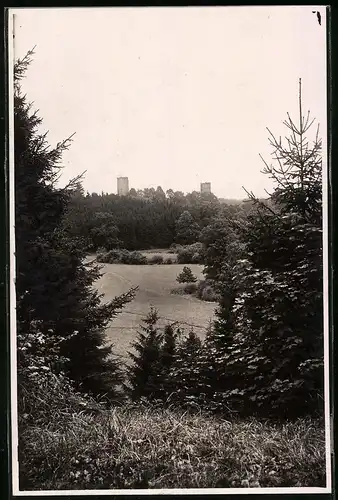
(54, 286)
(122, 256)
(144, 219)
(186, 276)
(264, 353)
(144, 375)
(266, 350)
(190, 254)
(156, 259)
(184, 381)
(187, 230)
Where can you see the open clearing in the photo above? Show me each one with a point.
(155, 283)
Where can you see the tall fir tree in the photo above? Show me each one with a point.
(222, 249)
(265, 351)
(53, 284)
(284, 278)
(277, 353)
(144, 374)
(167, 357)
(169, 347)
(184, 378)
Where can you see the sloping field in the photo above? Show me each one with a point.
(155, 284)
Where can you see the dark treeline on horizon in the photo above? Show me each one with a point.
(143, 219)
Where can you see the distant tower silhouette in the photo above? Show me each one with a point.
(122, 186)
(205, 187)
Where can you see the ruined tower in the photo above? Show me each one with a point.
(205, 187)
(122, 186)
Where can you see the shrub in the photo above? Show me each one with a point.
(156, 259)
(134, 258)
(174, 248)
(168, 261)
(111, 257)
(196, 258)
(190, 254)
(190, 288)
(101, 250)
(209, 295)
(206, 292)
(184, 257)
(122, 256)
(178, 291)
(102, 258)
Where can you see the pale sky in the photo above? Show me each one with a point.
(172, 96)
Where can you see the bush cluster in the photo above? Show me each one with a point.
(190, 254)
(206, 292)
(156, 259)
(122, 256)
(203, 290)
(190, 288)
(175, 247)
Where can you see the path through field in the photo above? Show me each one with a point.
(155, 283)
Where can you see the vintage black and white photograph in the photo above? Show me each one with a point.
(169, 250)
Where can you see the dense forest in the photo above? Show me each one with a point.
(262, 357)
(142, 219)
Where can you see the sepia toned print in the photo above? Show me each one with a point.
(169, 250)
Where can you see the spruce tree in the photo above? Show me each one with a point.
(286, 268)
(222, 249)
(168, 348)
(144, 374)
(277, 355)
(186, 276)
(167, 357)
(53, 284)
(184, 376)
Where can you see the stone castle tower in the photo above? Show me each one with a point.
(205, 187)
(122, 186)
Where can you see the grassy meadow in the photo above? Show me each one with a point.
(155, 284)
(140, 447)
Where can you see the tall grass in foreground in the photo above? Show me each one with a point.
(146, 447)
